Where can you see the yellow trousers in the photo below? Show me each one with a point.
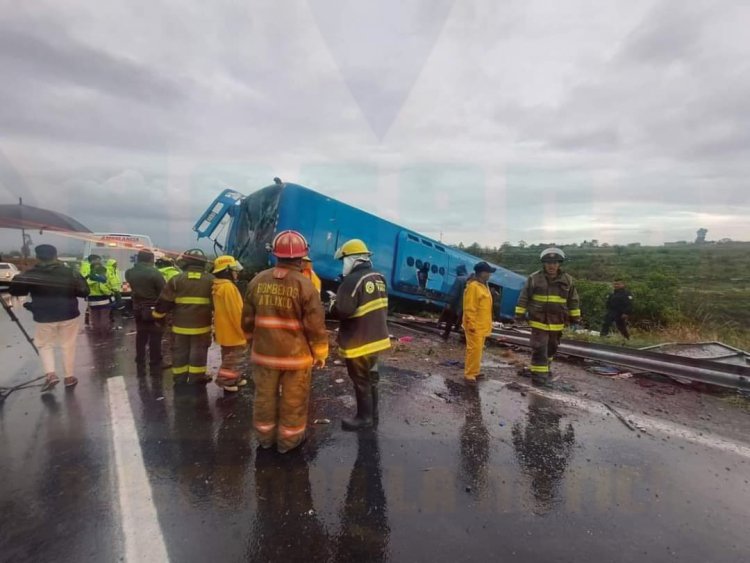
(474, 349)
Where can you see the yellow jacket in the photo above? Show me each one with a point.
(228, 314)
(477, 308)
(310, 274)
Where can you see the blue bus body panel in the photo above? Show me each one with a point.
(327, 223)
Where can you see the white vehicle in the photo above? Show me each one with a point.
(121, 247)
(8, 271)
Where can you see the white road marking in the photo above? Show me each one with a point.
(144, 541)
(652, 424)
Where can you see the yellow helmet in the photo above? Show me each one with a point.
(350, 247)
(226, 261)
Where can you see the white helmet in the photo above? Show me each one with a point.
(552, 254)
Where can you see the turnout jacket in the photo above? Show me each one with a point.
(54, 289)
(188, 296)
(551, 303)
(362, 307)
(477, 307)
(284, 319)
(620, 301)
(227, 314)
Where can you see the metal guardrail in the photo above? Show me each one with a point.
(696, 369)
(730, 376)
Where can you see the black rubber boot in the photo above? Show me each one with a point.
(374, 379)
(363, 394)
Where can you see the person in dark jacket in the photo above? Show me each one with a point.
(362, 307)
(54, 290)
(619, 306)
(454, 310)
(146, 283)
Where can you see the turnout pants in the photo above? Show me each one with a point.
(232, 364)
(190, 354)
(544, 344)
(474, 350)
(620, 323)
(147, 334)
(63, 335)
(280, 406)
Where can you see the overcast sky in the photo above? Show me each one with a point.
(472, 120)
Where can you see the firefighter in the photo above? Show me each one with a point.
(551, 301)
(284, 319)
(361, 305)
(228, 331)
(477, 319)
(309, 273)
(188, 296)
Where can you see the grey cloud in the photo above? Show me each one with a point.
(59, 58)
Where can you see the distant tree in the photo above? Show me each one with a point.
(474, 248)
(506, 244)
(594, 243)
(701, 236)
(461, 246)
(605, 245)
(522, 244)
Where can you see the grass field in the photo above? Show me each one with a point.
(682, 292)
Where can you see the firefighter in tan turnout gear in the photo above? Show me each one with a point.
(362, 307)
(284, 321)
(551, 301)
(188, 296)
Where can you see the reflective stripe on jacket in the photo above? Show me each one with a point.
(362, 307)
(100, 294)
(188, 295)
(550, 303)
(477, 306)
(284, 319)
(228, 314)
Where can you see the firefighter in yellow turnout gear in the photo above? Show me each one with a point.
(228, 324)
(551, 301)
(477, 320)
(362, 307)
(188, 296)
(284, 319)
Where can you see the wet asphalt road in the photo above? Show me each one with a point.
(450, 474)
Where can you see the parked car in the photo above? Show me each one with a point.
(8, 271)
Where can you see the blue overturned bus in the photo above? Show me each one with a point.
(249, 223)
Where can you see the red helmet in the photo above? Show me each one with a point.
(289, 244)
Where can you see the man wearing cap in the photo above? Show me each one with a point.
(54, 290)
(477, 318)
(551, 301)
(146, 283)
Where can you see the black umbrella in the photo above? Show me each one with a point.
(15, 216)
